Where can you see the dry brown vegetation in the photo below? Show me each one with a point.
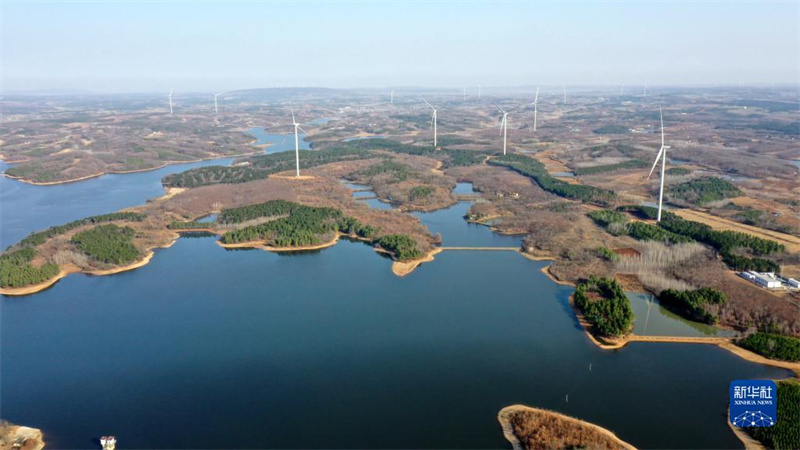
(656, 261)
(538, 429)
(20, 438)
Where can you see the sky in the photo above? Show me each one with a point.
(152, 46)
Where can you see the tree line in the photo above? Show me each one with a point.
(773, 346)
(673, 229)
(538, 172)
(39, 237)
(296, 225)
(701, 305)
(262, 166)
(591, 170)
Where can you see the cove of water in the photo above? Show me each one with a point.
(25, 208)
(652, 319)
(279, 142)
(212, 348)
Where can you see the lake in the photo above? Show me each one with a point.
(278, 142)
(25, 208)
(212, 348)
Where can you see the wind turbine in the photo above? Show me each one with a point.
(216, 111)
(662, 151)
(433, 122)
(170, 100)
(565, 93)
(297, 144)
(645, 89)
(391, 97)
(504, 128)
(536, 107)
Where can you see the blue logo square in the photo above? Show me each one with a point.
(753, 403)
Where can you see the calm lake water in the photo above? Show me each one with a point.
(655, 320)
(25, 208)
(280, 142)
(212, 348)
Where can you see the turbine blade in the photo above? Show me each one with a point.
(294, 122)
(301, 129)
(655, 163)
(426, 102)
(536, 99)
(660, 113)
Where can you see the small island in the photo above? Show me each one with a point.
(529, 428)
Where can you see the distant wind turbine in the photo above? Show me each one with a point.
(433, 122)
(297, 144)
(565, 93)
(661, 153)
(216, 111)
(170, 100)
(504, 128)
(535, 108)
(645, 89)
(391, 97)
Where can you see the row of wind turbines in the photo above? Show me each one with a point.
(661, 156)
(503, 120)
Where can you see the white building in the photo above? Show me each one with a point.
(764, 279)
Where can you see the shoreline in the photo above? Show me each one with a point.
(403, 268)
(508, 433)
(722, 343)
(260, 245)
(69, 269)
(120, 172)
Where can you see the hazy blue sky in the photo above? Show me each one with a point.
(151, 46)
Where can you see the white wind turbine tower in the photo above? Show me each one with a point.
(504, 128)
(536, 108)
(216, 111)
(433, 122)
(661, 152)
(170, 100)
(297, 144)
